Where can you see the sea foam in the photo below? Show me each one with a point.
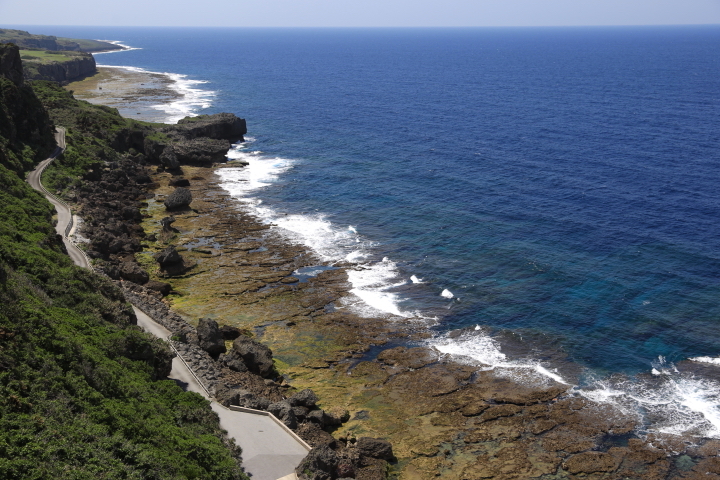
(372, 280)
(189, 100)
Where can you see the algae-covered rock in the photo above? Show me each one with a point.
(180, 198)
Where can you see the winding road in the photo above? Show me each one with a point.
(269, 450)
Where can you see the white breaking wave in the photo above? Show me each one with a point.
(479, 349)
(371, 280)
(711, 360)
(447, 294)
(190, 99)
(673, 402)
(415, 279)
(125, 48)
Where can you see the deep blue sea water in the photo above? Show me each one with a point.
(559, 183)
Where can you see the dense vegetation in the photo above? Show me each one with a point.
(81, 394)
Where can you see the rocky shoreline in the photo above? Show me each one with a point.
(444, 419)
(206, 258)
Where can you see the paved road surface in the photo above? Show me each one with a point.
(269, 452)
(64, 216)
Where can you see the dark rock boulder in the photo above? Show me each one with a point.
(180, 198)
(320, 464)
(375, 448)
(317, 416)
(211, 339)
(304, 398)
(133, 272)
(168, 257)
(256, 356)
(234, 362)
(284, 412)
(160, 287)
(240, 397)
(179, 182)
(336, 416)
(230, 332)
(314, 435)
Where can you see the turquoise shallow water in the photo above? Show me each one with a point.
(560, 184)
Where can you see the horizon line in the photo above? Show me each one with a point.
(376, 26)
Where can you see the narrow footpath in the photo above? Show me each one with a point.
(269, 451)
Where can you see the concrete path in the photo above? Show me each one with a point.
(269, 451)
(64, 215)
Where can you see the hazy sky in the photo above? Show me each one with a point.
(357, 13)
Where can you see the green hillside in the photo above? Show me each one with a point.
(82, 388)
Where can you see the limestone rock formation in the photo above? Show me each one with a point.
(218, 126)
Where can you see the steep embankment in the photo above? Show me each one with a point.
(81, 394)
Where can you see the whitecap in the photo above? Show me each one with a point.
(710, 360)
(447, 294)
(479, 349)
(415, 279)
(125, 48)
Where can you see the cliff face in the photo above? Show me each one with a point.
(76, 66)
(26, 133)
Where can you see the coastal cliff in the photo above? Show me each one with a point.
(61, 67)
(25, 39)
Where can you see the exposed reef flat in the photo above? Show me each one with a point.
(444, 419)
(136, 94)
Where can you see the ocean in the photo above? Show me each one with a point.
(541, 199)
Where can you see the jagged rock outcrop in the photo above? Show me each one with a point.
(256, 357)
(201, 151)
(10, 64)
(24, 123)
(320, 464)
(218, 126)
(211, 339)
